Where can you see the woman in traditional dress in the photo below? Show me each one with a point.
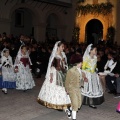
(24, 80)
(52, 93)
(92, 90)
(8, 76)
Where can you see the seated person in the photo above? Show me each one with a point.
(110, 65)
(112, 81)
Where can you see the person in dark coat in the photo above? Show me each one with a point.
(111, 80)
(33, 57)
(18, 43)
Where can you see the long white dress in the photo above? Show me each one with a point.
(92, 90)
(53, 95)
(24, 80)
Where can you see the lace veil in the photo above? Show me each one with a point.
(19, 55)
(2, 53)
(52, 57)
(87, 51)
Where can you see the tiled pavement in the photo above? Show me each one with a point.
(19, 105)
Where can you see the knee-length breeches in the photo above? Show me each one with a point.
(76, 99)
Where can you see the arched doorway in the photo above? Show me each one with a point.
(22, 22)
(94, 31)
(51, 28)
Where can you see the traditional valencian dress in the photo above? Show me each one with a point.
(53, 95)
(24, 80)
(92, 90)
(7, 80)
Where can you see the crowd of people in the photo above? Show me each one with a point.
(76, 74)
(91, 70)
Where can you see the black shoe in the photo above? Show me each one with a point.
(79, 107)
(38, 76)
(93, 106)
(117, 95)
(69, 116)
(112, 92)
(5, 92)
(24, 90)
(118, 111)
(68, 113)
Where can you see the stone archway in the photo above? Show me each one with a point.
(82, 21)
(94, 31)
(27, 24)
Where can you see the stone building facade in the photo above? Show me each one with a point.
(54, 18)
(41, 18)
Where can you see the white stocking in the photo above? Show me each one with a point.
(74, 115)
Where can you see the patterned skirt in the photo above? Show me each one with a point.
(92, 90)
(53, 95)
